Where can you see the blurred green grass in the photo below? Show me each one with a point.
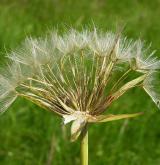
(28, 132)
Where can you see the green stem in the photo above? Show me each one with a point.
(84, 147)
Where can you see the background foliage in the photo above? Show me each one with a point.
(31, 136)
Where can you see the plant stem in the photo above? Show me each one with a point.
(84, 147)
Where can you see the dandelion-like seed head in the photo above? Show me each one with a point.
(70, 74)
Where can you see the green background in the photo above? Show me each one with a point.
(32, 136)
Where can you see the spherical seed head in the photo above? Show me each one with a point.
(73, 74)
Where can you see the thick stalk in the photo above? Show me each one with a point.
(84, 147)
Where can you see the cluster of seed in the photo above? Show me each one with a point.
(78, 73)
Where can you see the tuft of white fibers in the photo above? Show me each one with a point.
(7, 94)
(152, 87)
(34, 53)
(144, 59)
(102, 43)
(70, 73)
(124, 49)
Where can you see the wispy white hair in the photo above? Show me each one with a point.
(103, 50)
